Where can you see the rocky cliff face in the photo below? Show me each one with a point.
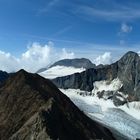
(127, 69)
(129, 74)
(84, 80)
(32, 108)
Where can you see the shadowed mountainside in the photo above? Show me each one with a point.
(3, 76)
(31, 107)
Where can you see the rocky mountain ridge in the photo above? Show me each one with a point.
(127, 69)
(31, 107)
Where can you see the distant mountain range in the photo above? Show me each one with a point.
(76, 63)
(67, 67)
(33, 108)
(82, 73)
(111, 94)
(127, 70)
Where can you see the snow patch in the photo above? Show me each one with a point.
(107, 85)
(135, 105)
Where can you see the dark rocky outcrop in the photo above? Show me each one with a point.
(77, 63)
(31, 107)
(127, 69)
(84, 80)
(3, 76)
(129, 72)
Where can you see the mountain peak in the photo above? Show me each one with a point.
(32, 106)
(129, 58)
(21, 71)
(19, 76)
(76, 62)
(22, 77)
(127, 69)
(131, 54)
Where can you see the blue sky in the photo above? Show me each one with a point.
(86, 27)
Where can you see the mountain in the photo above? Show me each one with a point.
(66, 67)
(77, 63)
(3, 76)
(127, 70)
(32, 107)
(109, 94)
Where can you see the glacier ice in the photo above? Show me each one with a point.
(124, 119)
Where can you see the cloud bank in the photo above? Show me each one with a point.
(67, 55)
(38, 56)
(35, 57)
(106, 58)
(8, 62)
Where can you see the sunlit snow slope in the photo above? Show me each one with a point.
(125, 119)
(59, 71)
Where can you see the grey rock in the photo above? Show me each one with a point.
(84, 80)
(127, 69)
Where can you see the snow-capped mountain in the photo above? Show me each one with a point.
(126, 70)
(110, 94)
(66, 67)
(124, 119)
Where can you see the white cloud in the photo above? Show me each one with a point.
(117, 13)
(126, 28)
(122, 42)
(37, 56)
(47, 7)
(104, 59)
(67, 55)
(8, 62)
(63, 30)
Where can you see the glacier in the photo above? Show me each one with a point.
(124, 119)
